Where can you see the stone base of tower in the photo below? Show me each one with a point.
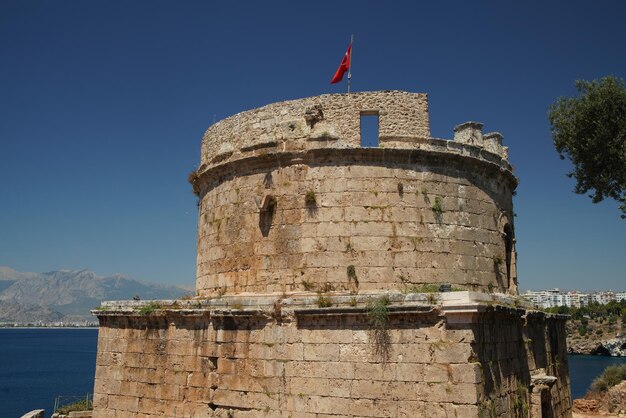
(460, 354)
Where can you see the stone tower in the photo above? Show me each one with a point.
(340, 280)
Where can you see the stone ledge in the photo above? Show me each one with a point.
(37, 413)
(456, 305)
(443, 152)
(393, 310)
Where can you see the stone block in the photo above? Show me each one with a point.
(452, 353)
(375, 371)
(321, 352)
(439, 373)
(466, 373)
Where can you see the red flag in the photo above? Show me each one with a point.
(343, 67)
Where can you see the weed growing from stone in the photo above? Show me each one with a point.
(520, 404)
(556, 363)
(278, 311)
(82, 405)
(149, 308)
(309, 198)
(351, 272)
(323, 301)
(437, 206)
(432, 298)
(378, 312)
(378, 317)
(425, 288)
(487, 409)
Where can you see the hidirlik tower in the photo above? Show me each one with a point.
(340, 280)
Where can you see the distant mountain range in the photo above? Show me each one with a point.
(68, 295)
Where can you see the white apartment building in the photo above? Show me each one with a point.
(552, 298)
(579, 299)
(603, 297)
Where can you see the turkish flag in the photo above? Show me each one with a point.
(343, 67)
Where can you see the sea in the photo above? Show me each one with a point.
(39, 364)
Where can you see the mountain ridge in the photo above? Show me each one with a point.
(68, 295)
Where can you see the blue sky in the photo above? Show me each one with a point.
(103, 105)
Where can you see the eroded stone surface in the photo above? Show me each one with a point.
(415, 210)
(308, 360)
(300, 232)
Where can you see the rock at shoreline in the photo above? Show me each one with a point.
(614, 347)
(612, 403)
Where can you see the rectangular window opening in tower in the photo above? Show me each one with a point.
(369, 129)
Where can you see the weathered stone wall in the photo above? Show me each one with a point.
(417, 211)
(300, 232)
(433, 361)
(517, 350)
(379, 216)
(328, 120)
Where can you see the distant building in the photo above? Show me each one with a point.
(552, 298)
(579, 300)
(603, 297)
(548, 298)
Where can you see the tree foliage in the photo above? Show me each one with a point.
(594, 310)
(610, 377)
(590, 130)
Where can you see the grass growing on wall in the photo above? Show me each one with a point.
(378, 317)
(82, 405)
(323, 301)
(149, 308)
(310, 199)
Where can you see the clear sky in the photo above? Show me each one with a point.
(103, 105)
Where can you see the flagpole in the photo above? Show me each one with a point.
(350, 63)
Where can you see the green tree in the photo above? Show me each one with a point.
(610, 377)
(590, 130)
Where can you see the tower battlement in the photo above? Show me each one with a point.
(333, 121)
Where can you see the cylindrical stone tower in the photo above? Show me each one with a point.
(290, 200)
(320, 270)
